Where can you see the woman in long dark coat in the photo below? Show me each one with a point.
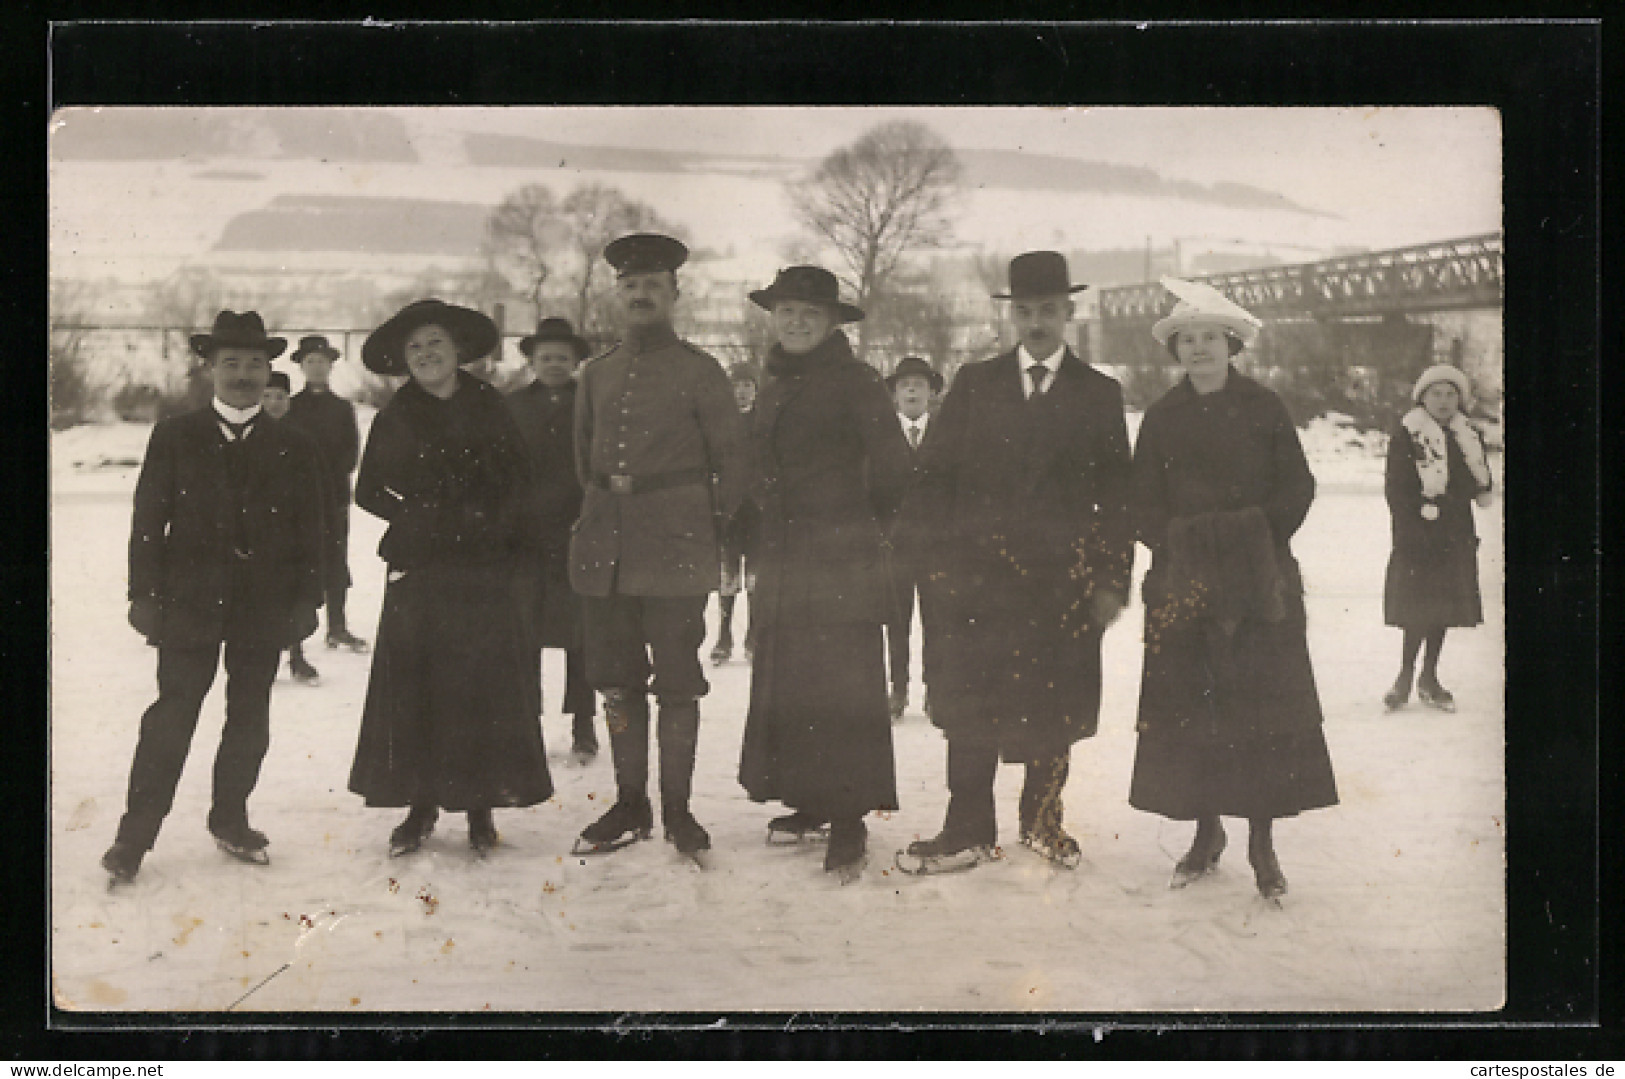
(833, 469)
(451, 717)
(1229, 720)
(1436, 470)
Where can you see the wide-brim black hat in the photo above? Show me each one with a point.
(807, 284)
(232, 330)
(645, 252)
(384, 352)
(1039, 273)
(914, 367)
(314, 345)
(555, 329)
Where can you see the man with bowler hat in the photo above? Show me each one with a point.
(661, 453)
(1023, 491)
(914, 385)
(544, 411)
(330, 422)
(225, 549)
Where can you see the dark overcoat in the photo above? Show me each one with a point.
(546, 420)
(184, 532)
(1432, 578)
(451, 716)
(1237, 712)
(1020, 517)
(654, 405)
(832, 469)
(329, 420)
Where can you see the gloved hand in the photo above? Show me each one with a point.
(1104, 607)
(302, 622)
(147, 617)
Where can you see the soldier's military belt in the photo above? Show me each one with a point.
(635, 485)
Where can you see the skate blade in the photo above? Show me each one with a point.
(779, 838)
(852, 872)
(358, 649)
(243, 854)
(1441, 706)
(699, 859)
(919, 866)
(585, 847)
(1066, 860)
(118, 883)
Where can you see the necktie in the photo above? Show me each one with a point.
(914, 435)
(1038, 373)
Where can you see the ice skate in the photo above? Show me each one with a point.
(848, 850)
(302, 671)
(1399, 694)
(343, 638)
(1054, 845)
(792, 828)
(1432, 694)
(1267, 872)
(482, 832)
(943, 854)
(1201, 859)
(408, 836)
(624, 824)
(122, 861)
(686, 834)
(242, 842)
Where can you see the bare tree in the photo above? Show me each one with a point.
(523, 232)
(184, 303)
(878, 199)
(595, 214)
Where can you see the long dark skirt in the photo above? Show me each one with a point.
(1186, 774)
(818, 734)
(451, 717)
(1427, 589)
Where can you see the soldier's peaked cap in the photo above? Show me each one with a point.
(645, 252)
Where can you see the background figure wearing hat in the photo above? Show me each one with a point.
(660, 449)
(451, 719)
(914, 387)
(739, 539)
(832, 469)
(1436, 470)
(330, 421)
(544, 411)
(225, 549)
(1021, 512)
(1229, 718)
(278, 391)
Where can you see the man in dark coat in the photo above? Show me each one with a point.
(914, 384)
(1021, 512)
(276, 399)
(739, 539)
(544, 411)
(329, 420)
(660, 449)
(225, 549)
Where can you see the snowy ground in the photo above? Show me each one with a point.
(1397, 897)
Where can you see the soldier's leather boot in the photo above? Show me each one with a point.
(679, 737)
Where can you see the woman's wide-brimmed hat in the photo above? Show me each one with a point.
(1039, 273)
(1201, 304)
(1443, 372)
(914, 367)
(807, 284)
(314, 345)
(384, 352)
(555, 329)
(232, 330)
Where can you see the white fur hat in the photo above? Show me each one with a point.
(1199, 303)
(1443, 372)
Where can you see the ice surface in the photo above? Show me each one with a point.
(1397, 897)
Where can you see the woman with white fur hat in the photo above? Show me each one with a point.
(1436, 470)
(1229, 720)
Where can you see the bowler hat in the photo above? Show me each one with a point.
(232, 330)
(644, 252)
(807, 284)
(914, 367)
(280, 381)
(1202, 303)
(555, 329)
(314, 345)
(384, 351)
(1039, 273)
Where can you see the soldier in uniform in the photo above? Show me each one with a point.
(660, 450)
(330, 422)
(544, 411)
(739, 540)
(225, 551)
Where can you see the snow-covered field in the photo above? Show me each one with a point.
(1397, 897)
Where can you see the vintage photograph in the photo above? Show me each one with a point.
(784, 559)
